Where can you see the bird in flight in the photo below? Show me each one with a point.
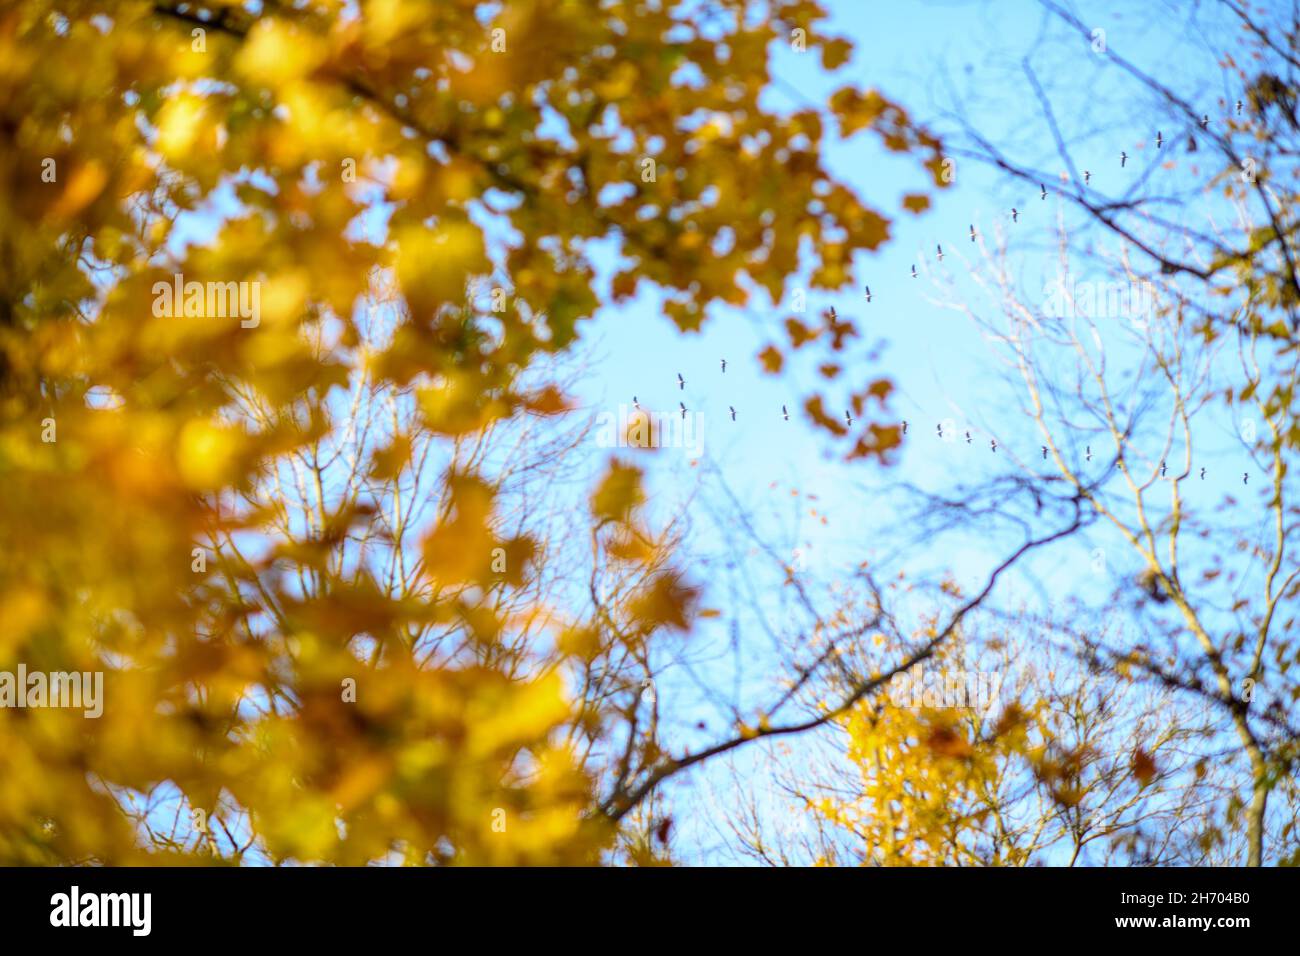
(682, 405)
(1162, 467)
(968, 438)
(1044, 447)
(1087, 177)
(635, 403)
(1205, 121)
(1089, 450)
(733, 412)
(1160, 140)
(1123, 158)
(848, 419)
(1238, 107)
(1202, 474)
(913, 272)
(1245, 477)
(972, 232)
(993, 443)
(681, 382)
(724, 366)
(868, 288)
(784, 413)
(1042, 191)
(1015, 214)
(939, 248)
(904, 426)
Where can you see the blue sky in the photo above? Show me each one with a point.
(937, 360)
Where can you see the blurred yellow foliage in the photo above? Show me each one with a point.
(264, 671)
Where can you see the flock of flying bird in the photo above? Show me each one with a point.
(1015, 218)
(993, 442)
